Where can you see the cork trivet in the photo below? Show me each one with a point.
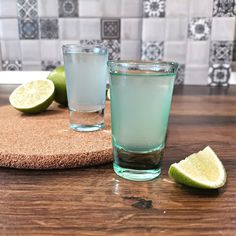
(45, 141)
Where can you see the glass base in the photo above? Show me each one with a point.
(136, 175)
(86, 128)
(87, 121)
(138, 166)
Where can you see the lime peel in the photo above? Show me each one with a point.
(58, 77)
(200, 170)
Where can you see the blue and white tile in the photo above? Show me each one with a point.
(152, 50)
(68, 8)
(221, 52)
(113, 46)
(199, 28)
(130, 50)
(11, 65)
(49, 28)
(9, 29)
(110, 28)
(154, 8)
(27, 8)
(223, 28)
(28, 28)
(224, 8)
(49, 65)
(234, 51)
(179, 80)
(219, 74)
(8, 9)
(90, 42)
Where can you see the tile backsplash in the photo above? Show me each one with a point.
(197, 34)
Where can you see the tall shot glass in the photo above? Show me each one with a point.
(86, 77)
(141, 94)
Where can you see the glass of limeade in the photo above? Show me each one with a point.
(86, 77)
(141, 94)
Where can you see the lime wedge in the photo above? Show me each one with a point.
(33, 97)
(200, 170)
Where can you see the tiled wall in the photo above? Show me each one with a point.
(199, 34)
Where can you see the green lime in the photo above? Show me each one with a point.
(57, 76)
(33, 97)
(200, 170)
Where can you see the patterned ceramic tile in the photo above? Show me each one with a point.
(154, 8)
(68, 8)
(110, 28)
(11, 65)
(90, 42)
(221, 52)
(234, 51)
(28, 28)
(50, 65)
(27, 8)
(180, 75)
(152, 50)
(224, 8)
(219, 74)
(113, 46)
(199, 28)
(49, 28)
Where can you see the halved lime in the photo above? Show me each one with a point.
(33, 97)
(200, 170)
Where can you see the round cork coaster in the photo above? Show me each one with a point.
(45, 141)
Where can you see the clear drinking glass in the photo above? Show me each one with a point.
(141, 94)
(86, 77)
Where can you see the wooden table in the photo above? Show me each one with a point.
(95, 201)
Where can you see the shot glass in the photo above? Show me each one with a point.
(141, 94)
(86, 77)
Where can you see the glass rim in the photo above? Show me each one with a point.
(86, 48)
(131, 67)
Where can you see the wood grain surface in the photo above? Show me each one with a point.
(94, 201)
